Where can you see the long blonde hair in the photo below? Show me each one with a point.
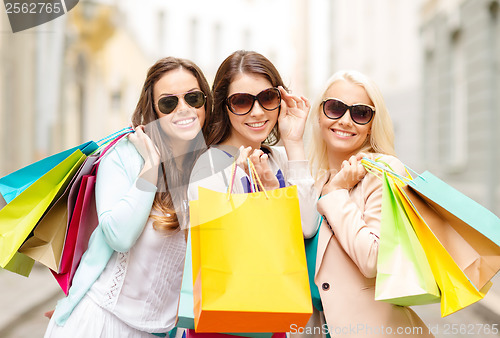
(381, 138)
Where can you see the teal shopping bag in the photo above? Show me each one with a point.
(437, 192)
(311, 246)
(19, 217)
(185, 314)
(15, 183)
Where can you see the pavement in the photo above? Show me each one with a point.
(20, 296)
(25, 298)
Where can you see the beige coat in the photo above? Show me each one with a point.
(346, 264)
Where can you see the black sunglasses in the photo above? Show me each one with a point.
(242, 103)
(360, 113)
(195, 99)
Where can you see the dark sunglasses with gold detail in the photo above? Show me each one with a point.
(195, 99)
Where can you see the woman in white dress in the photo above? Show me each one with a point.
(129, 279)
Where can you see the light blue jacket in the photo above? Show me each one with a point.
(123, 203)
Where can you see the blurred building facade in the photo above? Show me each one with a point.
(79, 77)
(64, 82)
(17, 92)
(461, 101)
(379, 38)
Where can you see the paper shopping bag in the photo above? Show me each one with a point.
(19, 216)
(457, 291)
(20, 264)
(16, 182)
(81, 215)
(404, 276)
(252, 273)
(48, 239)
(469, 211)
(2, 202)
(311, 248)
(185, 313)
(83, 223)
(468, 231)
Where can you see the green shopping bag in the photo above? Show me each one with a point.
(20, 264)
(19, 216)
(404, 276)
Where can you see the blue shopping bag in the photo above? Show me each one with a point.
(15, 183)
(440, 194)
(185, 314)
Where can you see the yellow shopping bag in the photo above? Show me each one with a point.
(249, 264)
(19, 217)
(457, 291)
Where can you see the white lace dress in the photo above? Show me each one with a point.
(137, 293)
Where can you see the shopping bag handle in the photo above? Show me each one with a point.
(378, 167)
(110, 144)
(255, 181)
(111, 137)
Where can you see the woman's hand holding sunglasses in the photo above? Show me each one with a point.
(292, 121)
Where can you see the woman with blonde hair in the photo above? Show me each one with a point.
(350, 121)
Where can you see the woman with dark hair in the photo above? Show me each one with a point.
(253, 112)
(129, 279)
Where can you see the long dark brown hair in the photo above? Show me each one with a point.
(217, 126)
(145, 114)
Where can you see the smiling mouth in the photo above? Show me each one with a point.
(256, 124)
(185, 121)
(342, 133)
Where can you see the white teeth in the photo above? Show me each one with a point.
(257, 124)
(343, 133)
(182, 122)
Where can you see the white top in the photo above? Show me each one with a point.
(142, 286)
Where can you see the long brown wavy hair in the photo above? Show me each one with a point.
(217, 126)
(168, 172)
